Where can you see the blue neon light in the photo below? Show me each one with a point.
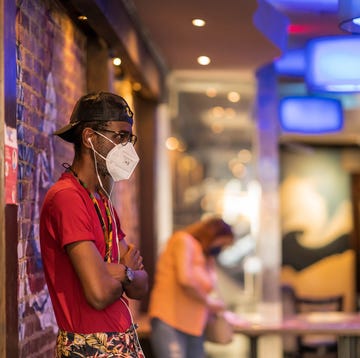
(291, 63)
(311, 115)
(356, 21)
(313, 5)
(333, 64)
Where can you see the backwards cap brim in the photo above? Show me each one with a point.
(67, 132)
(94, 107)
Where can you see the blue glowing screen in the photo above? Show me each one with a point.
(310, 114)
(333, 64)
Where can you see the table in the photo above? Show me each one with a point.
(346, 326)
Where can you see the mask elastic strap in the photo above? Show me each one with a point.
(111, 207)
(96, 169)
(106, 138)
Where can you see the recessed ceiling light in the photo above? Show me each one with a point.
(172, 143)
(218, 111)
(233, 96)
(203, 60)
(136, 86)
(230, 112)
(211, 92)
(244, 156)
(217, 127)
(116, 61)
(82, 17)
(198, 22)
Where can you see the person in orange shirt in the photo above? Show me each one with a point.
(181, 299)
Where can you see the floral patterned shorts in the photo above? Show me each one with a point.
(99, 345)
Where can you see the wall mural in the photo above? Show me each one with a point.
(36, 165)
(316, 222)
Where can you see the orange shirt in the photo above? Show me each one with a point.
(182, 282)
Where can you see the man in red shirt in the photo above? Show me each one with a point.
(88, 263)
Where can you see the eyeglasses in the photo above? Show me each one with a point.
(123, 137)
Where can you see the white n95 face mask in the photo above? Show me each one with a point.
(121, 161)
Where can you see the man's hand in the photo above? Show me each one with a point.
(132, 258)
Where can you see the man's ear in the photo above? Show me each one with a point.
(87, 137)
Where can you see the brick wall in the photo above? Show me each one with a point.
(51, 76)
(51, 65)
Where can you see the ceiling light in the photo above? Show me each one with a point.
(82, 18)
(218, 111)
(233, 96)
(238, 170)
(310, 114)
(198, 22)
(211, 92)
(332, 64)
(291, 63)
(349, 15)
(351, 25)
(356, 21)
(244, 156)
(136, 86)
(230, 112)
(116, 61)
(188, 163)
(203, 60)
(172, 143)
(217, 127)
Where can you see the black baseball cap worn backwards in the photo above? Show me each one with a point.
(96, 107)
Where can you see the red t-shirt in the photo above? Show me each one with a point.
(68, 215)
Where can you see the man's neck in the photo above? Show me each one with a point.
(86, 174)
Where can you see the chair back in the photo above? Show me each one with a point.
(318, 304)
(317, 343)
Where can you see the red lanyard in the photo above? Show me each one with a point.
(106, 230)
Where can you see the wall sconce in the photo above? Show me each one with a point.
(349, 16)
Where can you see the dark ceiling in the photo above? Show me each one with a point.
(237, 49)
(230, 37)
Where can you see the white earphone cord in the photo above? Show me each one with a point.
(116, 236)
(111, 207)
(132, 321)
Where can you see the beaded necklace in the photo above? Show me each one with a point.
(107, 230)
